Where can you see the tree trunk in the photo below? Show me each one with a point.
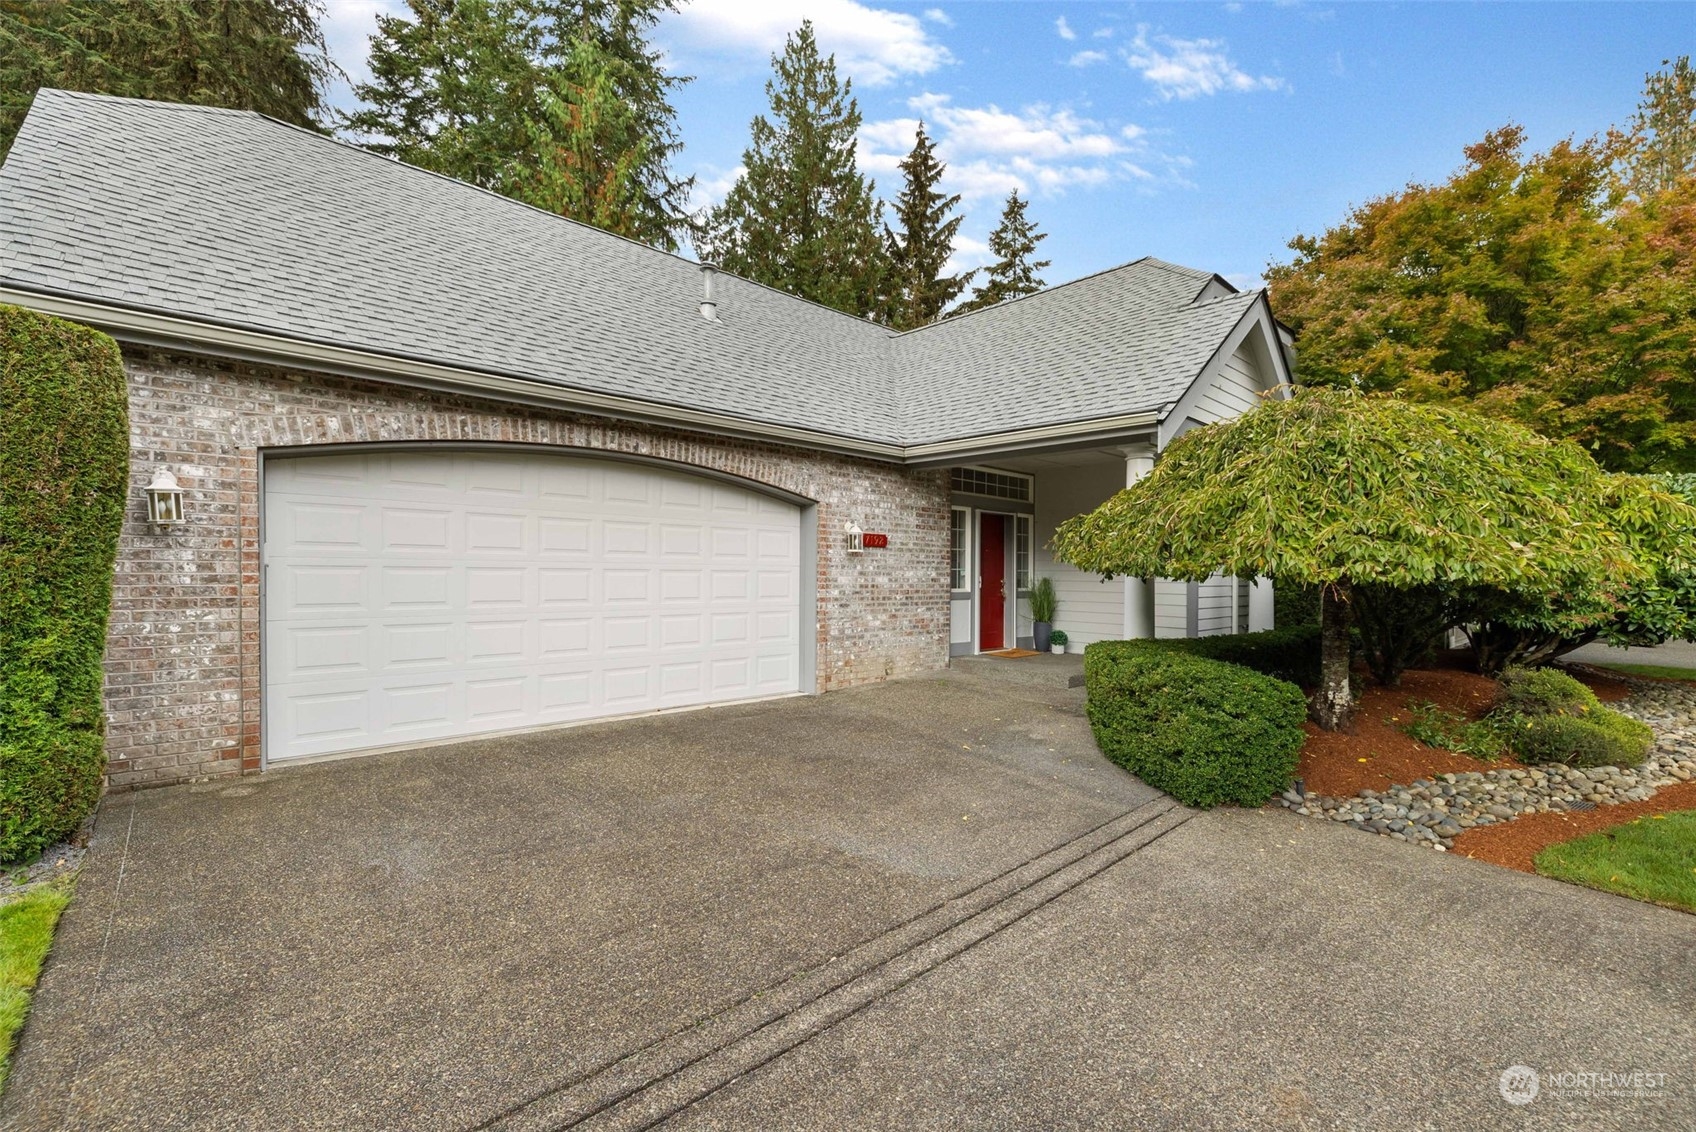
(1333, 704)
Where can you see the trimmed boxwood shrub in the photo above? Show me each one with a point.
(1598, 738)
(1543, 691)
(1202, 730)
(1289, 654)
(64, 470)
(1546, 716)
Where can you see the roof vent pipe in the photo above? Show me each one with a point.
(709, 306)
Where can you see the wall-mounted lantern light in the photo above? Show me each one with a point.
(164, 499)
(856, 539)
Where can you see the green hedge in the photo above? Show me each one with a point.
(1546, 716)
(1204, 731)
(64, 472)
(1294, 604)
(1288, 654)
(1600, 738)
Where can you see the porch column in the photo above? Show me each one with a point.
(1139, 592)
(1260, 605)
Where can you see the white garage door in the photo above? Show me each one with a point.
(412, 595)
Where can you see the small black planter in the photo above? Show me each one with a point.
(1040, 631)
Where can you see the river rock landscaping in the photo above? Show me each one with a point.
(1435, 810)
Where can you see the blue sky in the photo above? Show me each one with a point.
(1203, 133)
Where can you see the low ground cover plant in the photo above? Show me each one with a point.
(1452, 731)
(1546, 716)
(1204, 731)
(1652, 858)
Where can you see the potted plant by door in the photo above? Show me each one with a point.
(1057, 642)
(1043, 603)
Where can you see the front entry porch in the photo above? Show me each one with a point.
(1005, 512)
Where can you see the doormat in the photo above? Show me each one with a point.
(1013, 654)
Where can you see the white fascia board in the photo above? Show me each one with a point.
(1030, 440)
(152, 329)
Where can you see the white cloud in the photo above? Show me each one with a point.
(990, 152)
(968, 254)
(710, 188)
(348, 26)
(1187, 68)
(1102, 33)
(1087, 58)
(1064, 29)
(938, 16)
(872, 45)
(1036, 131)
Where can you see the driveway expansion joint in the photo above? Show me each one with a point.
(653, 1083)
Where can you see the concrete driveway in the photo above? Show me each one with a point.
(925, 904)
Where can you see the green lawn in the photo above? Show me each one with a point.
(1659, 671)
(1652, 858)
(26, 931)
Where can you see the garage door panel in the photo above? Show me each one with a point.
(565, 587)
(416, 530)
(565, 537)
(416, 710)
(498, 533)
(317, 651)
(419, 595)
(340, 588)
(326, 526)
(426, 644)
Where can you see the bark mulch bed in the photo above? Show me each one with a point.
(1375, 753)
(1515, 844)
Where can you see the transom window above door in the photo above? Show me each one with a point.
(995, 485)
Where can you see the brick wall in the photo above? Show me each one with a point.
(182, 661)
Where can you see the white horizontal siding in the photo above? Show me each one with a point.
(1234, 392)
(1171, 608)
(960, 621)
(1213, 606)
(1089, 609)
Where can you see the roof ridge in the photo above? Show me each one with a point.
(950, 318)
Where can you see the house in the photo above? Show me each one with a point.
(453, 466)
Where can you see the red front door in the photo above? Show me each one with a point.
(992, 582)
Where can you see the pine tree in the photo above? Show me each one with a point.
(1014, 272)
(919, 250)
(264, 55)
(586, 151)
(1660, 148)
(484, 90)
(801, 217)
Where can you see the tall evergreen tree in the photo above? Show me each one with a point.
(483, 90)
(586, 152)
(801, 217)
(919, 250)
(1014, 272)
(1660, 148)
(264, 55)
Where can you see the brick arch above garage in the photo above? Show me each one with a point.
(183, 681)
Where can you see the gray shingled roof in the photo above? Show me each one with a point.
(235, 219)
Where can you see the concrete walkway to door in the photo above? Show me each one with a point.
(923, 904)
